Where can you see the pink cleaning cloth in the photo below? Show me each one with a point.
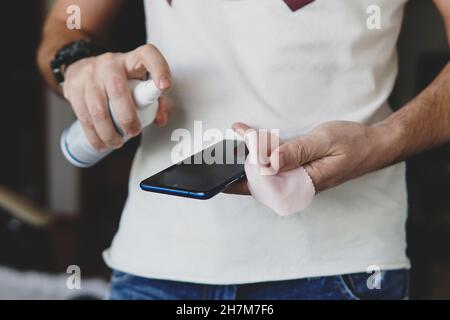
(284, 192)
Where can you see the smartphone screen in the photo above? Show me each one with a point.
(202, 175)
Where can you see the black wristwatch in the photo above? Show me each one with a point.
(71, 53)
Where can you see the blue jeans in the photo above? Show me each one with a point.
(392, 285)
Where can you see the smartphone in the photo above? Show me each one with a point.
(203, 175)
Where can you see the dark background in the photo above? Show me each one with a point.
(77, 234)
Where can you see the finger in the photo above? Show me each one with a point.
(96, 103)
(296, 153)
(150, 58)
(83, 116)
(259, 143)
(241, 128)
(120, 99)
(250, 136)
(165, 109)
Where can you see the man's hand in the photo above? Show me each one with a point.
(91, 83)
(335, 152)
(332, 154)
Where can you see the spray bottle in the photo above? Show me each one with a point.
(76, 147)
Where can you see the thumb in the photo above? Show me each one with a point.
(296, 153)
(250, 137)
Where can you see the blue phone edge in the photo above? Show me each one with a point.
(190, 194)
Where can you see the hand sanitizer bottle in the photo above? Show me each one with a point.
(76, 147)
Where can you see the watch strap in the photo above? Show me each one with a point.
(71, 53)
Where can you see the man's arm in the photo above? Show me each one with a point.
(425, 121)
(93, 83)
(352, 150)
(444, 8)
(339, 151)
(96, 19)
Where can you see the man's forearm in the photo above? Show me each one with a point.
(422, 124)
(98, 17)
(55, 36)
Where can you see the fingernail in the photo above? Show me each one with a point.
(160, 120)
(164, 83)
(133, 132)
(118, 143)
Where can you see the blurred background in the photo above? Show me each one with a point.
(53, 215)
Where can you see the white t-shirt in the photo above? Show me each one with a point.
(259, 62)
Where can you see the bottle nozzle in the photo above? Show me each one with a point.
(145, 93)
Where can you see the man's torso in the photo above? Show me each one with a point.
(262, 63)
